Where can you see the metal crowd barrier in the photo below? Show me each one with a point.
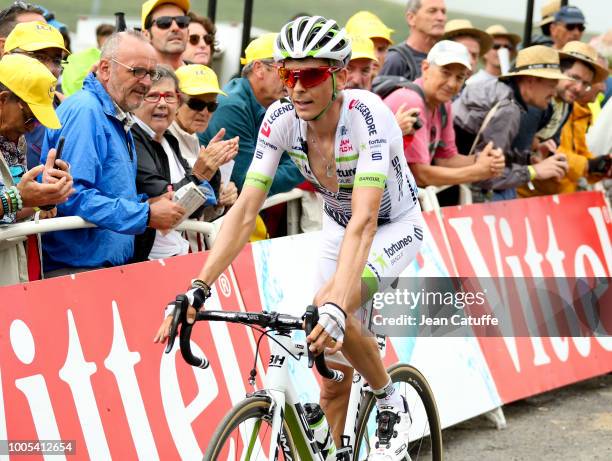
(16, 232)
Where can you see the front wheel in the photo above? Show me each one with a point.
(425, 432)
(244, 434)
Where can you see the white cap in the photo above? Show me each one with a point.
(448, 52)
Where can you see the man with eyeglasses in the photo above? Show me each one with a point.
(165, 23)
(564, 123)
(567, 26)
(242, 112)
(99, 146)
(17, 13)
(502, 40)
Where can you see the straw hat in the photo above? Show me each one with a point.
(537, 61)
(498, 30)
(586, 54)
(548, 12)
(457, 27)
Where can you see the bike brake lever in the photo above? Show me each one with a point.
(311, 318)
(179, 314)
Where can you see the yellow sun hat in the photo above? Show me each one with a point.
(33, 83)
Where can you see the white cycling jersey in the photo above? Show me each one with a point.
(369, 152)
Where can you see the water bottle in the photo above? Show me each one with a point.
(322, 433)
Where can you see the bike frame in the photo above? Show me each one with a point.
(278, 386)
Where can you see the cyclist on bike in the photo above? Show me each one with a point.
(349, 146)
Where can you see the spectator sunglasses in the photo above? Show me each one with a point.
(194, 39)
(497, 46)
(309, 77)
(165, 22)
(571, 27)
(198, 105)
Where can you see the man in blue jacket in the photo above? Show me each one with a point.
(100, 150)
(242, 112)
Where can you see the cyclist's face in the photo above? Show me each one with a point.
(310, 102)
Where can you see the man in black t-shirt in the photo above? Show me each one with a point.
(426, 19)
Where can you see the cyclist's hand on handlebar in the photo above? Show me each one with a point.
(196, 295)
(164, 330)
(329, 331)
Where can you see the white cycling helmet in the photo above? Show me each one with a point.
(313, 37)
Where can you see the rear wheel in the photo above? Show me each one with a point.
(244, 434)
(425, 432)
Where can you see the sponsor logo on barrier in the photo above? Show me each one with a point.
(512, 242)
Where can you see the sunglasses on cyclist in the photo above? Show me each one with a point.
(198, 105)
(194, 39)
(308, 77)
(165, 22)
(497, 46)
(154, 97)
(571, 27)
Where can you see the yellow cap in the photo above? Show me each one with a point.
(368, 24)
(362, 47)
(195, 79)
(150, 5)
(34, 36)
(33, 83)
(260, 48)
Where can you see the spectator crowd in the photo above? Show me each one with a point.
(142, 116)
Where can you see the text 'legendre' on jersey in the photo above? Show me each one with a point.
(368, 148)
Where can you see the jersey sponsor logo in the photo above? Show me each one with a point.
(343, 131)
(263, 142)
(278, 112)
(266, 129)
(418, 233)
(346, 173)
(397, 246)
(374, 142)
(258, 154)
(397, 168)
(376, 156)
(365, 112)
(345, 146)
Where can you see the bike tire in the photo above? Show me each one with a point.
(252, 408)
(403, 373)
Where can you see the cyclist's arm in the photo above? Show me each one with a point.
(237, 227)
(239, 223)
(355, 248)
